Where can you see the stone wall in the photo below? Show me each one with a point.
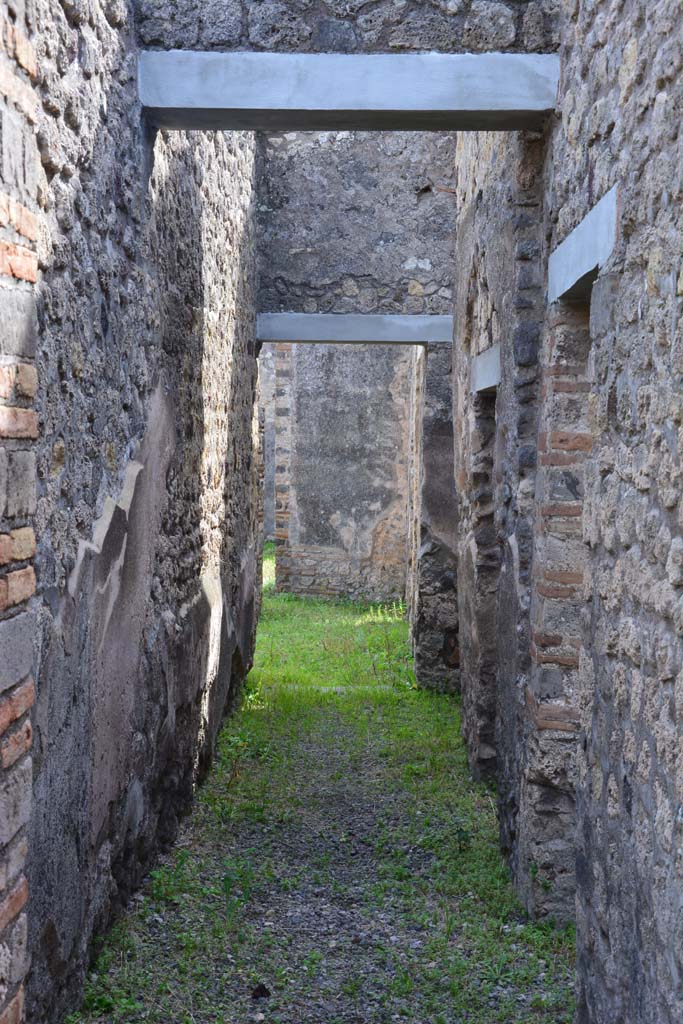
(349, 222)
(519, 630)
(588, 678)
(342, 436)
(496, 304)
(432, 588)
(356, 222)
(340, 26)
(545, 852)
(146, 505)
(622, 102)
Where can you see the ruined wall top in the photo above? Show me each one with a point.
(349, 26)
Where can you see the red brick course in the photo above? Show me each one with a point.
(13, 904)
(563, 509)
(17, 216)
(17, 704)
(571, 441)
(16, 744)
(546, 590)
(18, 92)
(17, 587)
(18, 261)
(18, 47)
(18, 423)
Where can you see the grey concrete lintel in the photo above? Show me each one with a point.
(325, 91)
(574, 265)
(486, 370)
(354, 328)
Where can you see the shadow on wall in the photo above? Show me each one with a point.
(148, 373)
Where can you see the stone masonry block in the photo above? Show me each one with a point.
(19, 946)
(13, 903)
(16, 744)
(17, 587)
(22, 544)
(13, 861)
(18, 379)
(3, 480)
(16, 643)
(14, 1013)
(21, 484)
(26, 380)
(15, 800)
(18, 261)
(19, 322)
(12, 146)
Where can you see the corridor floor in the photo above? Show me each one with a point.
(339, 866)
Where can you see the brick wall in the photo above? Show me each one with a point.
(545, 850)
(128, 475)
(19, 231)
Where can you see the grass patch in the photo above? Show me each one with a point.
(339, 856)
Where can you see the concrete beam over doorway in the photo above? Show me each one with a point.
(364, 92)
(574, 265)
(354, 328)
(486, 370)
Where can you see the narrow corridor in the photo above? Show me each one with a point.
(339, 866)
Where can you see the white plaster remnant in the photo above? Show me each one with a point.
(102, 524)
